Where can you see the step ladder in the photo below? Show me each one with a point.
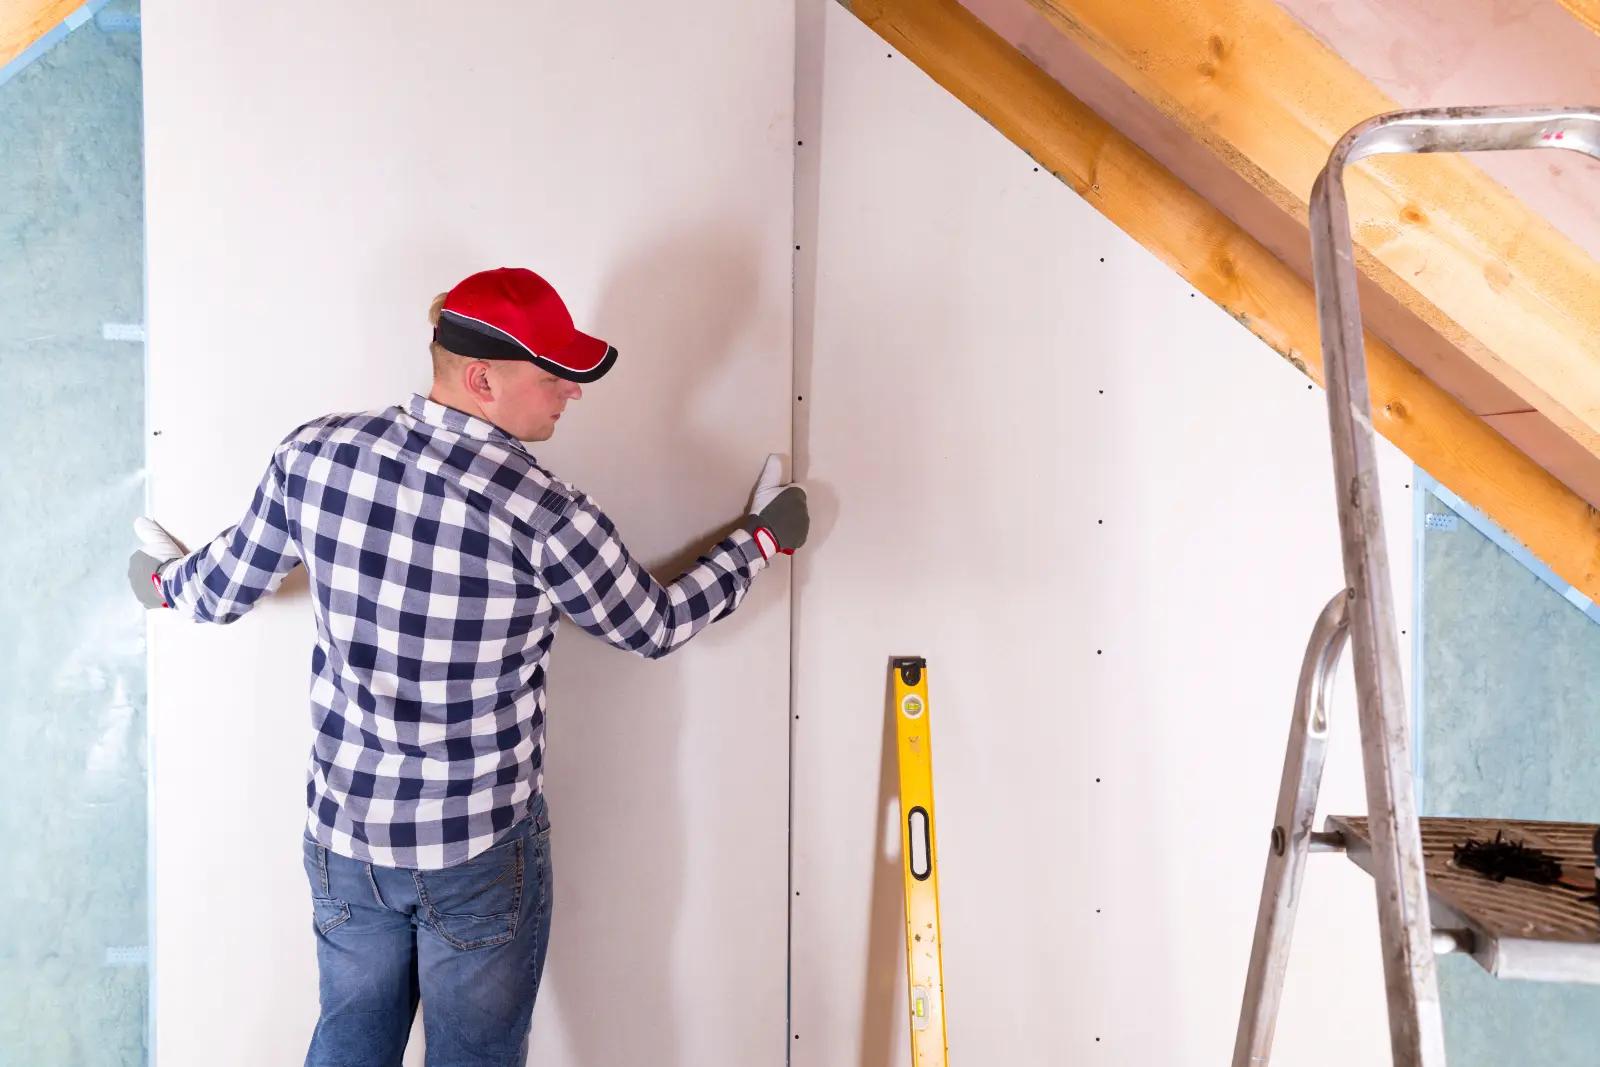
(1426, 905)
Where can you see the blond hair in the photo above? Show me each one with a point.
(444, 360)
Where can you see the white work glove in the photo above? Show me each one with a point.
(157, 549)
(778, 519)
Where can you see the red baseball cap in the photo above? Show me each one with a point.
(512, 313)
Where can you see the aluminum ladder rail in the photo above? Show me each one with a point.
(1366, 610)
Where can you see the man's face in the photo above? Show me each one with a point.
(528, 400)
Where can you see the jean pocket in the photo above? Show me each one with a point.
(328, 911)
(476, 904)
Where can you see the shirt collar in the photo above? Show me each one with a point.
(436, 414)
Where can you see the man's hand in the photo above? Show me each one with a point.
(157, 548)
(778, 517)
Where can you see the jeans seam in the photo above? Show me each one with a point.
(516, 895)
(342, 912)
(520, 863)
(545, 891)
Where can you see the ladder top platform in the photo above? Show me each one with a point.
(1520, 929)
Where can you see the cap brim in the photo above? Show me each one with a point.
(585, 359)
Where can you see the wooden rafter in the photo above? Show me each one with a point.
(1489, 276)
(23, 22)
(1231, 268)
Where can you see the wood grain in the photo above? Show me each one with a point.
(1231, 268)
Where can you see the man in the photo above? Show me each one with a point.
(440, 557)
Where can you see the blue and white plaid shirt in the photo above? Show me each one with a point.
(440, 557)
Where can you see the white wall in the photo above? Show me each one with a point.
(1104, 512)
(316, 173)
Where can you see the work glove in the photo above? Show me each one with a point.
(778, 517)
(156, 549)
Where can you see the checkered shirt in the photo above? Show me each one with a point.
(441, 557)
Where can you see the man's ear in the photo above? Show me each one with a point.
(480, 383)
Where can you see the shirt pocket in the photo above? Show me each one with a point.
(478, 903)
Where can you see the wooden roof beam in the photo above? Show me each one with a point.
(1496, 282)
(23, 22)
(1232, 268)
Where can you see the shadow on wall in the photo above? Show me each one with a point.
(676, 310)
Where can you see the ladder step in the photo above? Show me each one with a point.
(1545, 933)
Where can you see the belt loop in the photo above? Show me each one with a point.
(372, 880)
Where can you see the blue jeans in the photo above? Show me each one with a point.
(468, 941)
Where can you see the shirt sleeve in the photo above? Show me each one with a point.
(604, 590)
(223, 579)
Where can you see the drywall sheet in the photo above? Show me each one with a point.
(73, 919)
(316, 174)
(1509, 730)
(1105, 513)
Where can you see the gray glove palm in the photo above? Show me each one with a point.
(779, 519)
(156, 549)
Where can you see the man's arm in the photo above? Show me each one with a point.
(599, 585)
(224, 578)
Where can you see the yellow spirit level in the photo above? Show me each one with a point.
(924, 949)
